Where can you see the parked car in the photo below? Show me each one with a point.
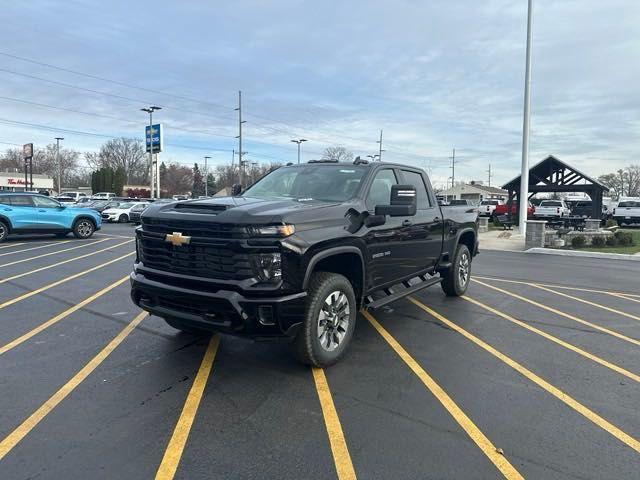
(103, 196)
(458, 203)
(487, 207)
(503, 209)
(180, 197)
(582, 208)
(552, 209)
(65, 199)
(82, 201)
(119, 212)
(300, 252)
(136, 211)
(75, 195)
(627, 212)
(23, 213)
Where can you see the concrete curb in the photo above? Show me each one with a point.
(575, 253)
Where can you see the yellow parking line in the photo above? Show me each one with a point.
(563, 287)
(173, 453)
(529, 375)
(339, 450)
(46, 267)
(84, 244)
(479, 438)
(52, 321)
(33, 248)
(593, 304)
(562, 314)
(59, 282)
(555, 340)
(12, 245)
(16, 436)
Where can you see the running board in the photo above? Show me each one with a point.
(392, 296)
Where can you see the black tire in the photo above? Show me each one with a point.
(123, 218)
(178, 325)
(83, 228)
(455, 280)
(332, 295)
(4, 231)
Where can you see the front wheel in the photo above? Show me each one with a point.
(329, 320)
(455, 279)
(4, 231)
(83, 228)
(123, 218)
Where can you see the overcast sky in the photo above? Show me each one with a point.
(434, 75)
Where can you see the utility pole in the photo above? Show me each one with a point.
(239, 137)
(150, 111)
(206, 177)
(523, 199)
(489, 171)
(381, 150)
(299, 141)
(59, 166)
(453, 167)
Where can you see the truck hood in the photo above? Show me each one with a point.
(242, 210)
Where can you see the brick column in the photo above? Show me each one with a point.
(592, 224)
(535, 234)
(483, 224)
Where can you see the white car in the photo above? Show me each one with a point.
(120, 212)
(487, 207)
(551, 209)
(75, 195)
(103, 196)
(627, 211)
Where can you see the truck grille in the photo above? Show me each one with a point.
(194, 259)
(208, 230)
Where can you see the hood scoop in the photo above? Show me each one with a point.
(202, 208)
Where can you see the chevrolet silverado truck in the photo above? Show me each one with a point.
(300, 252)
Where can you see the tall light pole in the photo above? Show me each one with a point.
(381, 150)
(59, 165)
(523, 199)
(239, 137)
(206, 177)
(150, 111)
(299, 141)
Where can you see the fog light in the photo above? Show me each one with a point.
(265, 315)
(267, 266)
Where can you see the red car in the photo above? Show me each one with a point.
(504, 208)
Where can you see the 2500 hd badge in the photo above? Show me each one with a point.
(300, 252)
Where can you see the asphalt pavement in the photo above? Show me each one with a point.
(535, 373)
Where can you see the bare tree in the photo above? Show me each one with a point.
(126, 153)
(337, 153)
(49, 164)
(176, 179)
(623, 183)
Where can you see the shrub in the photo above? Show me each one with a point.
(612, 241)
(598, 241)
(578, 241)
(611, 223)
(624, 238)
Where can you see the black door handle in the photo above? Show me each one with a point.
(437, 219)
(407, 223)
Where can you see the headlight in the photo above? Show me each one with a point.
(267, 266)
(274, 230)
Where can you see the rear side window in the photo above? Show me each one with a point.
(20, 201)
(415, 179)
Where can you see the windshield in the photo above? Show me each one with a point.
(550, 203)
(325, 183)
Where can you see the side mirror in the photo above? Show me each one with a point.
(402, 202)
(236, 189)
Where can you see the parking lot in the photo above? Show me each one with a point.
(535, 374)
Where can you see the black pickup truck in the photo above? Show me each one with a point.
(300, 252)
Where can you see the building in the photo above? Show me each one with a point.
(474, 191)
(14, 182)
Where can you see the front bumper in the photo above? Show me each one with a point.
(109, 217)
(219, 310)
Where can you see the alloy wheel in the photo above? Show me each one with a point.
(463, 269)
(85, 228)
(333, 320)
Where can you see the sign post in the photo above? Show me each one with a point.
(27, 154)
(153, 140)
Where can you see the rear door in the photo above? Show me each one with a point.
(21, 212)
(425, 237)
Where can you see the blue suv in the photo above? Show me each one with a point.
(22, 213)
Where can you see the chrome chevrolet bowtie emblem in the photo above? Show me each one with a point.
(177, 239)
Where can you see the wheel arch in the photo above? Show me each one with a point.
(7, 222)
(84, 217)
(468, 238)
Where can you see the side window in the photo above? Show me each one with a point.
(44, 202)
(380, 190)
(415, 179)
(21, 201)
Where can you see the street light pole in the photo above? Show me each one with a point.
(150, 111)
(381, 150)
(523, 199)
(239, 137)
(206, 177)
(299, 141)
(59, 165)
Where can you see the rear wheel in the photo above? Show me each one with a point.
(4, 231)
(455, 279)
(83, 228)
(329, 320)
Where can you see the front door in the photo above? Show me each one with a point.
(51, 214)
